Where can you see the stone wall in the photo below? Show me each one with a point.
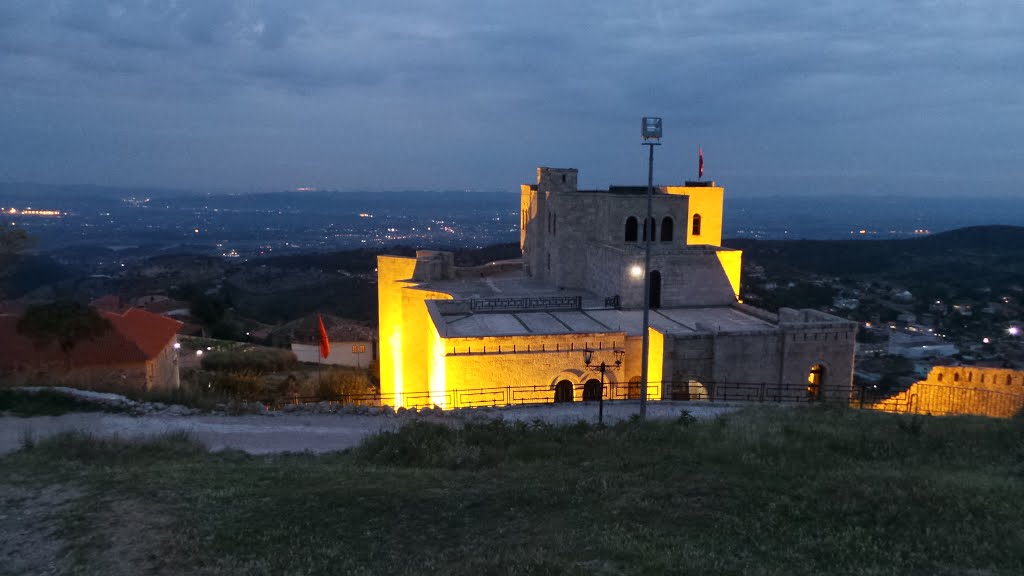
(991, 392)
(779, 360)
(162, 371)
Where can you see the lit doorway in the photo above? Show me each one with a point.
(815, 380)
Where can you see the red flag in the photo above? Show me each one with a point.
(325, 344)
(700, 166)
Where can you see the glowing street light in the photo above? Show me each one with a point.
(636, 271)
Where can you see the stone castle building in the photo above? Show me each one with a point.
(515, 331)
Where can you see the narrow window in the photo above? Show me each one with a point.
(554, 225)
(563, 178)
(666, 229)
(696, 224)
(631, 226)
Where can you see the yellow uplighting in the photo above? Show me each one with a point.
(732, 263)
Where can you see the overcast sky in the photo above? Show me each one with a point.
(822, 97)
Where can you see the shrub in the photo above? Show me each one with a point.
(239, 385)
(336, 383)
(260, 361)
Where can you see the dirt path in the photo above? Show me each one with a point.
(261, 434)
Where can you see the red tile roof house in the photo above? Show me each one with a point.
(137, 354)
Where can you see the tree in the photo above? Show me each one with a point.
(66, 323)
(13, 241)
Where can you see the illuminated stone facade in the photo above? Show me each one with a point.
(514, 331)
(995, 392)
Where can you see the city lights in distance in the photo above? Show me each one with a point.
(34, 212)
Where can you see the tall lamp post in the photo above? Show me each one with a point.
(588, 357)
(650, 131)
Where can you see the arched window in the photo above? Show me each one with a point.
(939, 377)
(666, 229)
(696, 225)
(649, 225)
(956, 377)
(631, 226)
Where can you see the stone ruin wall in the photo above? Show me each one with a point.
(994, 392)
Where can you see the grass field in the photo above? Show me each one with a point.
(764, 491)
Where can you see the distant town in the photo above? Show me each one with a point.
(254, 255)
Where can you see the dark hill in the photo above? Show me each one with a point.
(25, 273)
(987, 250)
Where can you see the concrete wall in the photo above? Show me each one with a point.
(341, 353)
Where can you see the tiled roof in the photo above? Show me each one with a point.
(136, 336)
(110, 302)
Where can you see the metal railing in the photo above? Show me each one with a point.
(537, 303)
(921, 399)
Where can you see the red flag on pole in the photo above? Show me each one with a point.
(325, 343)
(700, 166)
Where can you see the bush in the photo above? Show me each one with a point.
(259, 361)
(336, 383)
(239, 385)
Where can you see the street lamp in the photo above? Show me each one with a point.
(588, 358)
(650, 131)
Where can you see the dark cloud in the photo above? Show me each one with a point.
(473, 93)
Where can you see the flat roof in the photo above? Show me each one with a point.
(673, 321)
(509, 284)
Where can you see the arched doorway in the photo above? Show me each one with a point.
(591, 390)
(633, 389)
(655, 289)
(815, 380)
(563, 391)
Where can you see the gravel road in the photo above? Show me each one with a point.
(297, 432)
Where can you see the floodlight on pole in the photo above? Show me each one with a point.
(650, 131)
